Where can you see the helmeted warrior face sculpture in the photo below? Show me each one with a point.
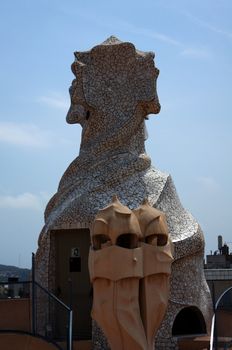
(157, 258)
(130, 278)
(113, 92)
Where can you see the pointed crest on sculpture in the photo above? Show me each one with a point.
(115, 224)
(152, 223)
(115, 73)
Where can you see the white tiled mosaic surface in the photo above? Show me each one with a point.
(113, 92)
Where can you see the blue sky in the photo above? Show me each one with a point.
(190, 138)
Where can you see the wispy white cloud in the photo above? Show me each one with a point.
(208, 25)
(25, 200)
(216, 29)
(149, 33)
(112, 23)
(199, 53)
(55, 100)
(23, 134)
(31, 136)
(208, 183)
(185, 50)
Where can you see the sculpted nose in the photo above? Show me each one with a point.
(76, 114)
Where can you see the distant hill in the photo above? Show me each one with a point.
(13, 271)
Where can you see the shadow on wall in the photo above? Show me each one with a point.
(189, 321)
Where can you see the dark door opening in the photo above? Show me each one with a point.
(72, 280)
(189, 321)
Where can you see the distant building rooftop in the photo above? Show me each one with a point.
(218, 274)
(221, 258)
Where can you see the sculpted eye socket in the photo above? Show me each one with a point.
(127, 240)
(152, 239)
(156, 239)
(87, 115)
(100, 241)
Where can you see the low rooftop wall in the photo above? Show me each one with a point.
(15, 314)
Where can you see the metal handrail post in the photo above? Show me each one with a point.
(213, 319)
(33, 295)
(69, 340)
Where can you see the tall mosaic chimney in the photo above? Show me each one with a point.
(113, 93)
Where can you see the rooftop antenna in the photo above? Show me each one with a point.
(19, 260)
(220, 243)
(229, 243)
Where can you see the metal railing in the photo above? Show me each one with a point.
(50, 317)
(218, 330)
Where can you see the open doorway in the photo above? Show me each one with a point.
(72, 280)
(189, 321)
